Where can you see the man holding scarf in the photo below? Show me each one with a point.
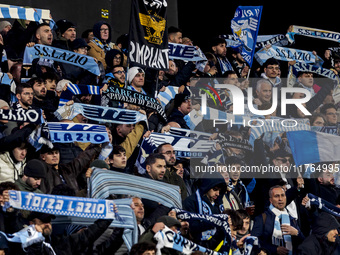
(278, 232)
(207, 200)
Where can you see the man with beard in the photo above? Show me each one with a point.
(170, 176)
(155, 166)
(34, 172)
(39, 100)
(182, 107)
(323, 239)
(116, 78)
(324, 185)
(24, 94)
(219, 49)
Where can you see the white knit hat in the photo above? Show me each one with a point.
(132, 73)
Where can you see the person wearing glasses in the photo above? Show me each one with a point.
(116, 78)
(99, 45)
(113, 58)
(329, 110)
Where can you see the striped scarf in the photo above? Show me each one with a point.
(276, 125)
(77, 89)
(165, 96)
(105, 47)
(100, 113)
(278, 238)
(103, 183)
(286, 54)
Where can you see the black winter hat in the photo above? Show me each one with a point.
(79, 43)
(63, 25)
(179, 99)
(35, 168)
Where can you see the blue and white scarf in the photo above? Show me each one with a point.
(189, 133)
(328, 129)
(63, 205)
(278, 238)
(216, 220)
(103, 183)
(224, 65)
(203, 207)
(165, 96)
(105, 47)
(262, 40)
(313, 32)
(304, 67)
(100, 114)
(18, 12)
(184, 147)
(323, 205)
(74, 132)
(185, 52)
(5, 80)
(40, 136)
(197, 117)
(60, 55)
(169, 239)
(27, 236)
(286, 54)
(276, 125)
(77, 89)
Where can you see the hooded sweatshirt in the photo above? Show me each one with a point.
(98, 46)
(317, 243)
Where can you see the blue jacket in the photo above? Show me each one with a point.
(263, 229)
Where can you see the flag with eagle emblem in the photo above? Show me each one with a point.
(148, 42)
(245, 26)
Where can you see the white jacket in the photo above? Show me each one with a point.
(10, 171)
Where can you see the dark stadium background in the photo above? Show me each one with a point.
(201, 20)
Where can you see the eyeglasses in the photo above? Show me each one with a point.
(119, 72)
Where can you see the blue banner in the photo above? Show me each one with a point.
(60, 55)
(286, 54)
(245, 26)
(63, 205)
(185, 52)
(72, 132)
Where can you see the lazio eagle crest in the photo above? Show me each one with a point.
(155, 27)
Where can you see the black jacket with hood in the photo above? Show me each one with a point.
(190, 204)
(317, 243)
